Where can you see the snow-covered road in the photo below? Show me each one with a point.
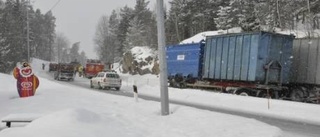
(87, 111)
(290, 128)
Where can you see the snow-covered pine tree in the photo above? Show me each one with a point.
(101, 38)
(144, 20)
(49, 34)
(248, 15)
(42, 34)
(135, 35)
(60, 48)
(174, 21)
(74, 52)
(13, 29)
(223, 20)
(114, 44)
(126, 14)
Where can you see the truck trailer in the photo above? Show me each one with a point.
(261, 64)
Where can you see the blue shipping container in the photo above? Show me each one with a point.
(185, 59)
(245, 57)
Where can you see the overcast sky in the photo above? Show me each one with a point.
(77, 19)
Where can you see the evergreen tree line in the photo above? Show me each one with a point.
(13, 33)
(44, 43)
(189, 17)
(129, 27)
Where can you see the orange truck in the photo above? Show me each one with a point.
(93, 67)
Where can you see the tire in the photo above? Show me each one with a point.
(297, 95)
(91, 86)
(272, 94)
(171, 83)
(263, 94)
(99, 86)
(242, 92)
(182, 85)
(117, 88)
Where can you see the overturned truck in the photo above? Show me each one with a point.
(260, 64)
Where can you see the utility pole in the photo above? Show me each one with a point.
(162, 59)
(28, 40)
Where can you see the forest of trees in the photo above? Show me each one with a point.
(128, 27)
(13, 33)
(189, 17)
(44, 43)
(124, 29)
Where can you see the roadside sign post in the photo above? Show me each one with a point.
(135, 92)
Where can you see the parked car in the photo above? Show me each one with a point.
(106, 80)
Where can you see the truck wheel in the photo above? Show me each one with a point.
(182, 85)
(242, 92)
(263, 94)
(117, 88)
(173, 83)
(272, 94)
(296, 95)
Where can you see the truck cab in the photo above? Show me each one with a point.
(93, 67)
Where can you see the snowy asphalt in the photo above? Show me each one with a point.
(289, 127)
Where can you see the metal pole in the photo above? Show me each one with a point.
(162, 59)
(28, 45)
